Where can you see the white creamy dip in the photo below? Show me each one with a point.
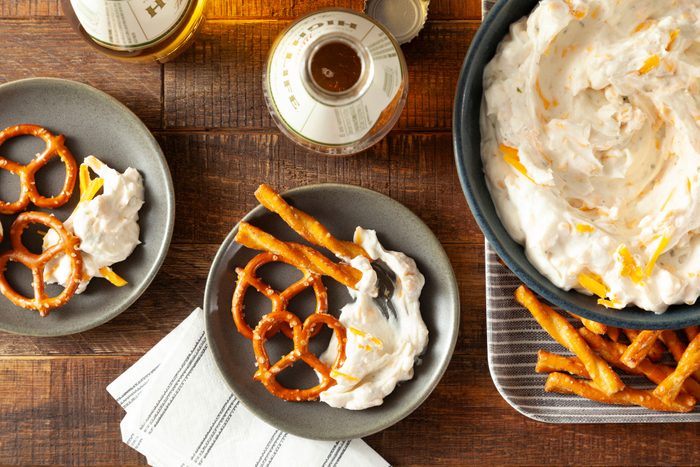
(591, 146)
(380, 352)
(107, 225)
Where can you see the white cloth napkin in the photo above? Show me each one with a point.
(180, 412)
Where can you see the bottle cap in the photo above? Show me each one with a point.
(403, 18)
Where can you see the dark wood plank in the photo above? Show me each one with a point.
(215, 176)
(279, 9)
(51, 48)
(56, 411)
(466, 422)
(179, 288)
(288, 9)
(217, 82)
(30, 8)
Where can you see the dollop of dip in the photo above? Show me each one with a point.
(107, 225)
(380, 352)
(591, 146)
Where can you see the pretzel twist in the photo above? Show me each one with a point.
(27, 173)
(301, 255)
(68, 245)
(248, 277)
(267, 373)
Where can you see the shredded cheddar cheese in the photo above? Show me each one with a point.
(593, 283)
(510, 155)
(336, 373)
(372, 339)
(93, 187)
(629, 265)
(545, 102)
(659, 249)
(651, 63)
(578, 14)
(608, 303)
(643, 25)
(673, 35)
(670, 195)
(584, 228)
(84, 176)
(113, 277)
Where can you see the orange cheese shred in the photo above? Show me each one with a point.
(629, 265)
(593, 283)
(673, 35)
(663, 243)
(113, 277)
(651, 63)
(510, 155)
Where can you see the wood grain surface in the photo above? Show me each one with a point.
(207, 111)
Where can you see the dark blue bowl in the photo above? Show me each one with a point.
(467, 140)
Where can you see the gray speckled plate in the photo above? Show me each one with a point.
(341, 208)
(93, 123)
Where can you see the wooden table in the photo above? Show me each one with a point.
(207, 111)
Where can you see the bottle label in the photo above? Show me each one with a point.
(316, 121)
(129, 24)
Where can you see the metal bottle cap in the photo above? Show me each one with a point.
(404, 18)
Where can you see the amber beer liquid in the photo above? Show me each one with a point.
(137, 30)
(336, 81)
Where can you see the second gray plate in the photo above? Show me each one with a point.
(341, 208)
(92, 123)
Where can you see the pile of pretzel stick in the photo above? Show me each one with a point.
(313, 265)
(599, 348)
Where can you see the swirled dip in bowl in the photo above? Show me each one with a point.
(591, 146)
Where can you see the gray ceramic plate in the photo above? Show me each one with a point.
(341, 208)
(93, 123)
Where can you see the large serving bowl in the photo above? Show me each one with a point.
(467, 141)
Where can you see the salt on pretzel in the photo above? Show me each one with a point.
(306, 225)
(267, 373)
(27, 173)
(248, 277)
(67, 244)
(301, 255)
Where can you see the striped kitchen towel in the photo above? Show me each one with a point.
(514, 337)
(180, 412)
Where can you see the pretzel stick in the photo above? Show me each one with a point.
(613, 333)
(673, 344)
(691, 332)
(612, 351)
(307, 226)
(657, 351)
(676, 347)
(304, 256)
(687, 365)
(548, 362)
(639, 348)
(565, 384)
(592, 326)
(564, 333)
